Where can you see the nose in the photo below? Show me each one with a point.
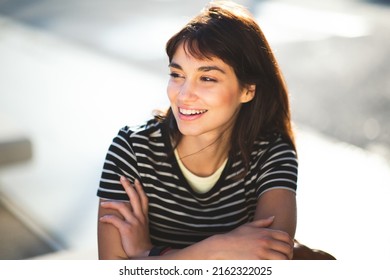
(187, 91)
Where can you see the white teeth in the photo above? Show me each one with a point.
(191, 112)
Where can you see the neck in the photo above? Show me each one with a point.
(203, 156)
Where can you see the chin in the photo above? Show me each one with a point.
(188, 132)
(190, 129)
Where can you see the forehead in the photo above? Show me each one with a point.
(184, 54)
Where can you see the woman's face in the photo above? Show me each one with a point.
(204, 94)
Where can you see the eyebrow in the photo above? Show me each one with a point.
(201, 69)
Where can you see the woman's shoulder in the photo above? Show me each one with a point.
(273, 143)
(270, 140)
(145, 134)
(150, 128)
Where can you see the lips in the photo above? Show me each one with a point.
(191, 112)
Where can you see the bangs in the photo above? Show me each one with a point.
(197, 48)
(198, 42)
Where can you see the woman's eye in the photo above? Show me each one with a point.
(208, 79)
(174, 75)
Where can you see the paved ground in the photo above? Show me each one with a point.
(335, 56)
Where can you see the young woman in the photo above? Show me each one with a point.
(215, 177)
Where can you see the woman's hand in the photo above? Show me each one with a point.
(133, 227)
(256, 241)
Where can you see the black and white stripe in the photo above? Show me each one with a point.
(178, 215)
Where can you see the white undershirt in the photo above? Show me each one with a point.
(197, 183)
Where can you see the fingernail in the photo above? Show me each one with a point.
(123, 178)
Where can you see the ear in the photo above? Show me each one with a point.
(248, 93)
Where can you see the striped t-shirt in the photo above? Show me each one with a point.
(178, 215)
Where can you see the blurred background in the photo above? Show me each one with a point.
(72, 73)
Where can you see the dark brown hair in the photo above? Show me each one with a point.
(229, 32)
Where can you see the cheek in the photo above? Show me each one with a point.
(227, 100)
(172, 91)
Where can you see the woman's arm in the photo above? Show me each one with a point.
(126, 235)
(123, 229)
(109, 239)
(269, 236)
(241, 243)
(280, 203)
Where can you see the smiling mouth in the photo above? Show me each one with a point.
(188, 112)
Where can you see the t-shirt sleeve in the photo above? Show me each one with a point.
(279, 168)
(120, 160)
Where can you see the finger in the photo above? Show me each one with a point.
(113, 220)
(274, 249)
(283, 248)
(263, 222)
(124, 228)
(283, 242)
(144, 199)
(278, 255)
(280, 236)
(135, 200)
(284, 237)
(123, 208)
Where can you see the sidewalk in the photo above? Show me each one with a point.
(71, 101)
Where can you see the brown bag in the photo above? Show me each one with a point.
(302, 252)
